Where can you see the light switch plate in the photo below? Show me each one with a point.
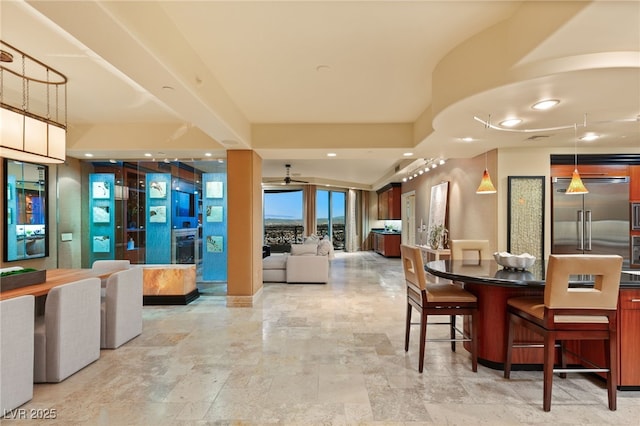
(66, 236)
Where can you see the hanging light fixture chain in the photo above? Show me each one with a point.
(25, 86)
(48, 86)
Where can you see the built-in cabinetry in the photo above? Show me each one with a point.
(628, 341)
(389, 202)
(130, 218)
(131, 209)
(634, 201)
(386, 244)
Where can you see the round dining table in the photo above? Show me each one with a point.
(493, 285)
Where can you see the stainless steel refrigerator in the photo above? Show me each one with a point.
(593, 223)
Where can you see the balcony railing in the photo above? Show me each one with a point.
(280, 236)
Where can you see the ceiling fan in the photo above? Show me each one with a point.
(287, 178)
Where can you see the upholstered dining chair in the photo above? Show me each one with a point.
(108, 265)
(67, 336)
(16, 352)
(565, 313)
(431, 298)
(121, 308)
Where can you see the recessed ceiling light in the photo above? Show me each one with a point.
(408, 154)
(112, 161)
(545, 104)
(88, 154)
(146, 154)
(168, 88)
(331, 154)
(510, 122)
(207, 154)
(467, 139)
(589, 137)
(322, 68)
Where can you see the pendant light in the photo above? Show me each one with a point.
(576, 186)
(486, 186)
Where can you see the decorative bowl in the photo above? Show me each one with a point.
(516, 262)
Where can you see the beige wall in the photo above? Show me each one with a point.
(69, 214)
(471, 216)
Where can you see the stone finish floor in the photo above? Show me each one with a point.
(310, 355)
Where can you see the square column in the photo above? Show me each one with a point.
(244, 262)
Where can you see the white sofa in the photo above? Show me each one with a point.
(307, 263)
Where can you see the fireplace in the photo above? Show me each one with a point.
(183, 245)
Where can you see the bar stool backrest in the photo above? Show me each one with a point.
(470, 250)
(605, 269)
(413, 267)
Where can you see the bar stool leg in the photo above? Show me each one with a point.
(408, 328)
(509, 348)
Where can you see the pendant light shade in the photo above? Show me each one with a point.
(576, 186)
(486, 186)
(34, 130)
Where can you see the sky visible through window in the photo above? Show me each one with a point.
(288, 205)
(283, 205)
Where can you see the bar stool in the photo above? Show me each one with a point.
(571, 314)
(431, 298)
(472, 251)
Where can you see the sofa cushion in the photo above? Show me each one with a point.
(274, 262)
(304, 249)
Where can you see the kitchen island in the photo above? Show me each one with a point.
(493, 286)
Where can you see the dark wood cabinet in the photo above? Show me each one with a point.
(634, 188)
(387, 245)
(389, 202)
(628, 341)
(629, 338)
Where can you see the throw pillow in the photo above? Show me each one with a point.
(312, 239)
(324, 247)
(304, 250)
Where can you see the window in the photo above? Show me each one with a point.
(283, 223)
(330, 216)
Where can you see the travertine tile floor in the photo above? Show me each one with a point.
(310, 355)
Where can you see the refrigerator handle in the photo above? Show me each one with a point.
(580, 226)
(587, 230)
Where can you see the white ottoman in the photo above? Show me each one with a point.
(274, 269)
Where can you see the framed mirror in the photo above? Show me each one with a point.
(26, 215)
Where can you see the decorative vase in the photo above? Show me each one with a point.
(435, 241)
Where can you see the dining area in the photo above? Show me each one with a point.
(57, 325)
(567, 313)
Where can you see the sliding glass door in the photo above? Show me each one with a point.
(331, 216)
